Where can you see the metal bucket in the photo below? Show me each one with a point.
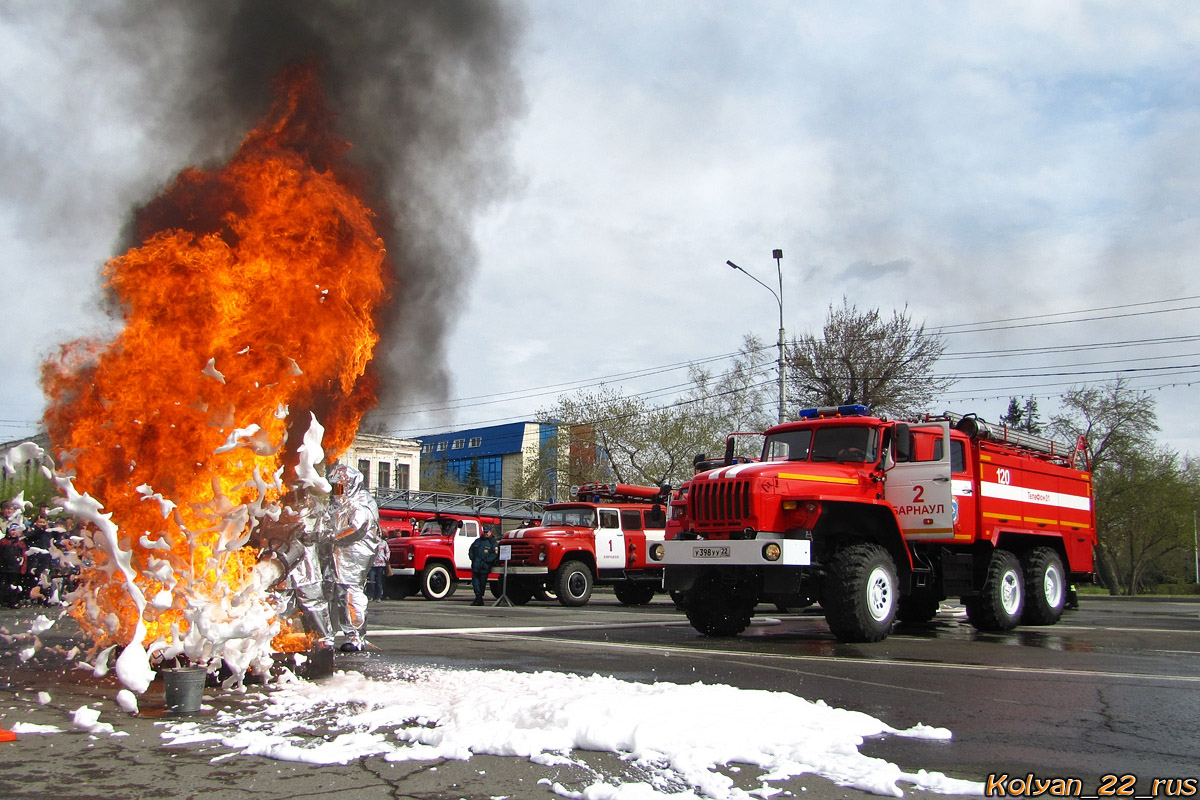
(183, 689)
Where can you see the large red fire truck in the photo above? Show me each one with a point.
(879, 520)
(435, 559)
(601, 537)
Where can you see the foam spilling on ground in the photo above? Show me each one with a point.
(676, 736)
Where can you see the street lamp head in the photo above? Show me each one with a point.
(735, 266)
(777, 254)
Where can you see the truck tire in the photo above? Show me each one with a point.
(437, 582)
(520, 593)
(1045, 587)
(634, 593)
(573, 584)
(1000, 604)
(716, 609)
(860, 594)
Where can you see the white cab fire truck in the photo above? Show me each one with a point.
(602, 536)
(879, 520)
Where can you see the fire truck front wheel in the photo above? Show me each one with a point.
(437, 582)
(860, 594)
(1001, 602)
(1045, 587)
(634, 593)
(717, 608)
(573, 584)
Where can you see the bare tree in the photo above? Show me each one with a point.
(1112, 417)
(862, 357)
(737, 399)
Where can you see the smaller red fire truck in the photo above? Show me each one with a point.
(879, 520)
(397, 524)
(601, 537)
(436, 559)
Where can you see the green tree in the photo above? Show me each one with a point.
(1144, 516)
(863, 357)
(1117, 424)
(1023, 416)
(635, 442)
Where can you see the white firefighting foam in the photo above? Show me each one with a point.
(678, 735)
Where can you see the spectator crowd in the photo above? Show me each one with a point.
(36, 566)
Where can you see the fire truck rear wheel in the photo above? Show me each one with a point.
(574, 583)
(633, 593)
(437, 583)
(1045, 587)
(1002, 600)
(860, 594)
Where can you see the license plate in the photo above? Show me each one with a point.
(710, 552)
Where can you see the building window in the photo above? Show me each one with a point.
(427, 448)
(385, 475)
(364, 466)
(476, 441)
(402, 477)
(441, 447)
(458, 444)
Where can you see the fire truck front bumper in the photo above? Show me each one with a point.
(733, 553)
(406, 572)
(516, 569)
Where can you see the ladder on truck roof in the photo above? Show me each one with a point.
(463, 504)
(977, 428)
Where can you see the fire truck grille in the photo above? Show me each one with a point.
(719, 503)
(521, 551)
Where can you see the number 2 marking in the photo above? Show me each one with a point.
(918, 493)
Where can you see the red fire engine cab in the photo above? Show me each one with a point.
(879, 520)
(435, 559)
(601, 537)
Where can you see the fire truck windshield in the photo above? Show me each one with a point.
(433, 527)
(787, 446)
(579, 517)
(847, 443)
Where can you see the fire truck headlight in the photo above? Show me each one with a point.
(772, 551)
(541, 555)
(657, 551)
(411, 555)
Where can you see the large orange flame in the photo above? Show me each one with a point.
(249, 307)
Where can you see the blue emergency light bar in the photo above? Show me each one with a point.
(855, 410)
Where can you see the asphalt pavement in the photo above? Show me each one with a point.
(134, 760)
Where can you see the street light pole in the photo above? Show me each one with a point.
(778, 256)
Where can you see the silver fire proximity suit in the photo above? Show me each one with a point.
(355, 537)
(305, 558)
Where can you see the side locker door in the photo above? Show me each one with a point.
(463, 539)
(920, 489)
(610, 541)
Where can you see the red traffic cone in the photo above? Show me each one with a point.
(7, 736)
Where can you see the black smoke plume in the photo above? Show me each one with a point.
(426, 92)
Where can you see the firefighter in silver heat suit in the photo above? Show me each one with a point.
(355, 537)
(303, 559)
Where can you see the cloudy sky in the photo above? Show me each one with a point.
(1021, 175)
